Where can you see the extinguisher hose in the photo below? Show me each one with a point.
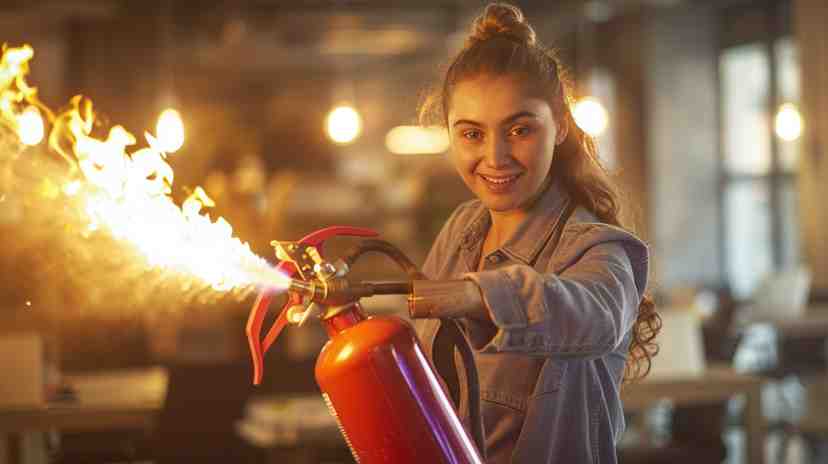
(381, 246)
(473, 382)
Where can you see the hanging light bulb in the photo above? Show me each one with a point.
(788, 122)
(170, 130)
(591, 116)
(412, 140)
(30, 126)
(343, 124)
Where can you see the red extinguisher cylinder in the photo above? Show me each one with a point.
(386, 398)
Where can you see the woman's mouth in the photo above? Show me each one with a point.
(500, 184)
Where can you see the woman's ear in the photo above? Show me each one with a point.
(562, 132)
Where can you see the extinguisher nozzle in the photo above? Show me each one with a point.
(302, 287)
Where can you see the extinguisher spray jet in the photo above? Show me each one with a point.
(373, 373)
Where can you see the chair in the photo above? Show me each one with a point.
(812, 426)
(693, 434)
(788, 357)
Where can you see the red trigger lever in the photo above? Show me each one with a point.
(258, 348)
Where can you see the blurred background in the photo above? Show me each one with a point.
(712, 115)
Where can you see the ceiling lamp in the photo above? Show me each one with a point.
(170, 130)
(415, 140)
(591, 116)
(343, 124)
(788, 122)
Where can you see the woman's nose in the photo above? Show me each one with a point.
(497, 153)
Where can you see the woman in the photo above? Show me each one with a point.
(539, 273)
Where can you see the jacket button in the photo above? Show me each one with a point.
(495, 258)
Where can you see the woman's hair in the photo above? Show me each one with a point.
(502, 42)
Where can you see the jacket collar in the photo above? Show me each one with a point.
(531, 235)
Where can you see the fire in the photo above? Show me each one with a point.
(30, 126)
(18, 101)
(127, 192)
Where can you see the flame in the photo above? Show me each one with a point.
(170, 130)
(30, 126)
(18, 101)
(72, 188)
(128, 193)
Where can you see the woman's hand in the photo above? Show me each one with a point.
(447, 299)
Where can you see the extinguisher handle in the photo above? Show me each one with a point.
(317, 239)
(255, 320)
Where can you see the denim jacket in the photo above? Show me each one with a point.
(550, 371)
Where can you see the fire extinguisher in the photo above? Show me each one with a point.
(373, 374)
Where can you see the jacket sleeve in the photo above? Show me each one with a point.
(584, 311)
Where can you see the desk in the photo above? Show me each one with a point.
(778, 348)
(813, 322)
(118, 399)
(717, 383)
(290, 420)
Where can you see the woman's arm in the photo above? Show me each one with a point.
(585, 311)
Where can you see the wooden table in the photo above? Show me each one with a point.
(813, 322)
(716, 383)
(289, 420)
(117, 399)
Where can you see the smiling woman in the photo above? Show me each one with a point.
(538, 271)
(503, 160)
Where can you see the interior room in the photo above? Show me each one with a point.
(170, 173)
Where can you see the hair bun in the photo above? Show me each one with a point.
(501, 20)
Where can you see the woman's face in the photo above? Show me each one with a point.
(503, 138)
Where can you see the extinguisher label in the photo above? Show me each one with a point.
(339, 424)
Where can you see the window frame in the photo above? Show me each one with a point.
(762, 22)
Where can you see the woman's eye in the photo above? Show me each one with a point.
(519, 131)
(472, 134)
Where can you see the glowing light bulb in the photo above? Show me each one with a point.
(411, 140)
(788, 122)
(590, 116)
(343, 124)
(30, 126)
(170, 130)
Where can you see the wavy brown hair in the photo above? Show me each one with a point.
(502, 42)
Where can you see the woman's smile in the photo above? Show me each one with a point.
(500, 183)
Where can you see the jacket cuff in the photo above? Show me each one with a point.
(501, 299)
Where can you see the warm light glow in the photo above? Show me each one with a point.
(30, 126)
(127, 194)
(590, 116)
(170, 130)
(343, 124)
(412, 140)
(788, 122)
(72, 188)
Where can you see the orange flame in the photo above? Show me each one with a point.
(18, 101)
(30, 126)
(129, 194)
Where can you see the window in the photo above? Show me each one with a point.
(758, 72)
